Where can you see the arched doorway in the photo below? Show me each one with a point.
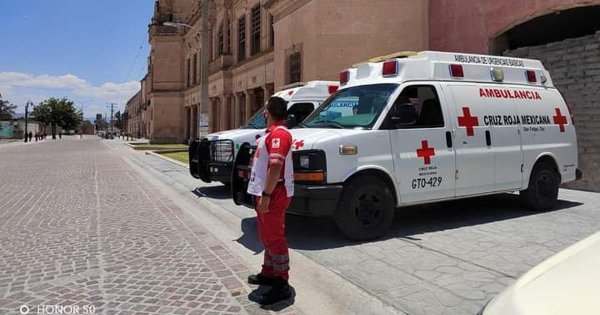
(568, 44)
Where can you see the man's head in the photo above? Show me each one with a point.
(276, 110)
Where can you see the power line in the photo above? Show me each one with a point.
(135, 60)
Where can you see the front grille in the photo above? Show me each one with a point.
(221, 151)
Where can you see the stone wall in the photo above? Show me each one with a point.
(574, 66)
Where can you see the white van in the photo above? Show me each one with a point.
(433, 126)
(211, 158)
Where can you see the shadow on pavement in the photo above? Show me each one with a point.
(216, 192)
(307, 233)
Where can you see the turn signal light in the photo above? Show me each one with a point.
(309, 177)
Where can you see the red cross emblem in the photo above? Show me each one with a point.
(468, 121)
(298, 144)
(560, 120)
(425, 152)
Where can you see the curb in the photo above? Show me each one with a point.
(157, 154)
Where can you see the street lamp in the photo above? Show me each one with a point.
(26, 117)
(204, 57)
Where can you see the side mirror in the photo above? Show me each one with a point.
(291, 121)
(404, 114)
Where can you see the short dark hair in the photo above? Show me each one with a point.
(277, 106)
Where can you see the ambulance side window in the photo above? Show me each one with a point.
(301, 110)
(427, 110)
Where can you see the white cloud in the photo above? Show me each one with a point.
(20, 87)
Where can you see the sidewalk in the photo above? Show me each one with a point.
(319, 289)
(106, 238)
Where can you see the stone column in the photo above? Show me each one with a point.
(223, 112)
(248, 105)
(236, 110)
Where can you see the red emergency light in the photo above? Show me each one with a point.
(332, 88)
(531, 77)
(457, 71)
(344, 77)
(390, 68)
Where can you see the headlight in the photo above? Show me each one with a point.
(304, 161)
(309, 166)
(222, 151)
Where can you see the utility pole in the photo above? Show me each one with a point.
(204, 102)
(112, 109)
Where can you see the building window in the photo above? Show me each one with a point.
(228, 41)
(256, 30)
(295, 67)
(242, 38)
(220, 40)
(188, 78)
(272, 31)
(194, 72)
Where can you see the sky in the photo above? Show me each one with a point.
(93, 52)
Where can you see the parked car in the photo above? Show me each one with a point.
(564, 284)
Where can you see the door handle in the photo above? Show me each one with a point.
(488, 138)
(449, 139)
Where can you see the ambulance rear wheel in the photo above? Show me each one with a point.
(366, 209)
(542, 193)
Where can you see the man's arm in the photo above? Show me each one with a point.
(272, 177)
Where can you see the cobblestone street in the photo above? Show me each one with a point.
(80, 228)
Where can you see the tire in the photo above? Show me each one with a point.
(542, 192)
(366, 209)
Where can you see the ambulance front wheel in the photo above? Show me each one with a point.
(366, 208)
(542, 193)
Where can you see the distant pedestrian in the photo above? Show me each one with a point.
(30, 136)
(60, 134)
(45, 135)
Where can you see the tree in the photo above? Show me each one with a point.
(7, 110)
(118, 120)
(58, 112)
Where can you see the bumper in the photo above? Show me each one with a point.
(315, 200)
(220, 172)
(578, 174)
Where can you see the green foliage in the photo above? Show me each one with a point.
(58, 112)
(7, 110)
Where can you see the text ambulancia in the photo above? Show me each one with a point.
(434, 126)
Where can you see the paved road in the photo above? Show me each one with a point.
(80, 228)
(445, 258)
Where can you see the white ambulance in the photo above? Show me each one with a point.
(211, 158)
(430, 127)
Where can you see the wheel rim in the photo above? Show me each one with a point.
(368, 209)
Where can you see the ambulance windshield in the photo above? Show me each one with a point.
(257, 121)
(354, 107)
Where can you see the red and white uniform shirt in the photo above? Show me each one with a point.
(273, 149)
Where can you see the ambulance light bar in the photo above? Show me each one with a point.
(344, 77)
(390, 68)
(531, 77)
(457, 71)
(332, 89)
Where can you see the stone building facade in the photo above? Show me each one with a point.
(563, 34)
(258, 46)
